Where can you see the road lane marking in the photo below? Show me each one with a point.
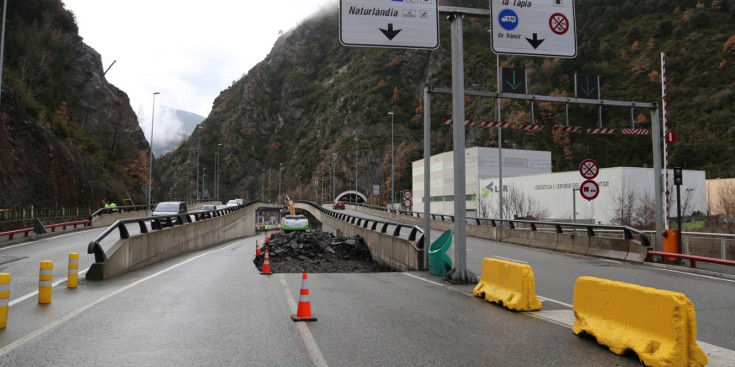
(45, 328)
(29, 295)
(509, 259)
(314, 352)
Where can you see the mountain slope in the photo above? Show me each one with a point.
(294, 117)
(71, 139)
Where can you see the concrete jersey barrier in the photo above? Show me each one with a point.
(508, 283)
(660, 326)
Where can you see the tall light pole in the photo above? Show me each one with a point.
(392, 175)
(2, 45)
(262, 185)
(334, 158)
(280, 168)
(356, 142)
(198, 133)
(150, 164)
(299, 187)
(216, 174)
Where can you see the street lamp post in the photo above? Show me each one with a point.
(280, 169)
(262, 185)
(299, 187)
(216, 174)
(198, 133)
(356, 143)
(150, 164)
(392, 176)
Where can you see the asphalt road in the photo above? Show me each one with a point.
(213, 308)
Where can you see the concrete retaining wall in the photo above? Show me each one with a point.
(149, 248)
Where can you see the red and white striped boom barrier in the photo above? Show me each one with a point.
(571, 129)
(601, 131)
(634, 131)
(532, 127)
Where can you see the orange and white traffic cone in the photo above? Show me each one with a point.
(266, 239)
(303, 313)
(257, 248)
(266, 264)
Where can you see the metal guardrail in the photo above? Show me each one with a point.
(157, 223)
(21, 214)
(560, 227)
(133, 208)
(416, 233)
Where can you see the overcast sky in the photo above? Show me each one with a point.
(188, 51)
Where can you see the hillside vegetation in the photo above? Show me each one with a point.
(294, 117)
(69, 138)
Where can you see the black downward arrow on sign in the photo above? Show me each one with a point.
(535, 42)
(390, 33)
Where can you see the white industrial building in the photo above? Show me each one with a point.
(530, 189)
(480, 163)
(553, 195)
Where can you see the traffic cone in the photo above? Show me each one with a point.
(303, 313)
(266, 239)
(266, 265)
(257, 248)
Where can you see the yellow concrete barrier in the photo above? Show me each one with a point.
(72, 278)
(45, 280)
(508, 283)
(660, 326)
(4, 299)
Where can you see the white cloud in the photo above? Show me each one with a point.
(188, 51)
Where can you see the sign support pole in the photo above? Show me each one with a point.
(657, 174)
(427, 175)
(459, 274)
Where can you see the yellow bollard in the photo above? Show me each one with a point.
(4, 299)
(72, 279)
(45, 278)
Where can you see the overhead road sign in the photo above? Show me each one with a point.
(536, 28)
(389, 23)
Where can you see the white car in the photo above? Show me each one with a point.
(235, 202)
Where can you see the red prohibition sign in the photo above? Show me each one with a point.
(558, 23)
(589, 169)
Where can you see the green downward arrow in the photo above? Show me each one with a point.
(515, 84)
(588, 90)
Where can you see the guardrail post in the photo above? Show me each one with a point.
(45, 278)
(4, 299)
(72, 279)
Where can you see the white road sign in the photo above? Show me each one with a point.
(538, 27)
(389, 23)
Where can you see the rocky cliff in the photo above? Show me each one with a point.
(69, 138)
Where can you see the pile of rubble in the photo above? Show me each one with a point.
(317, 252)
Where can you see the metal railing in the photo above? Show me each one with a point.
(416, 234)
(559, 227)
(156, 223)
(20, 214)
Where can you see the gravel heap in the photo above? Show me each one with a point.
(317, 252)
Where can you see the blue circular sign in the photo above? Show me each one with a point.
(508, 19)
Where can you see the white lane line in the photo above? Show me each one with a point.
(546, 299)
(693, 274)
(509, 259)
(423, 279)
(314, 352)
(29, 295)
(45, 328)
